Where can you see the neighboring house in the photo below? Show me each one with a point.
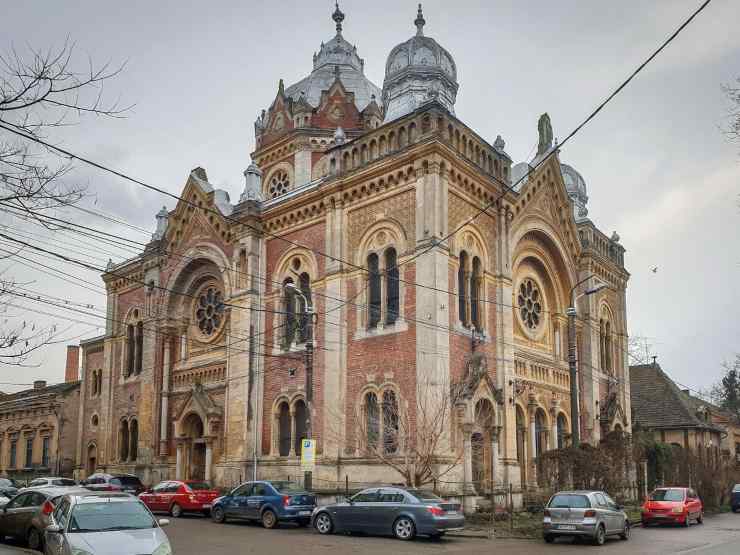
(718, 416)
(659, 406)
(38, 427)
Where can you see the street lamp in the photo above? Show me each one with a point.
(571, 312)
(309, 316)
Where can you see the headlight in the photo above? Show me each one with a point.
(163, 549)
(677, 510)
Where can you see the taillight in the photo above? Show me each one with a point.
(47, 508)
(590, 514)
(436, 511)
(547, 512)
(286, 500)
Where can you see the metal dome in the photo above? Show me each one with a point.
(576, 187)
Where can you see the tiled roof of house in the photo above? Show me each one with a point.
(657, 402)
(21, 399)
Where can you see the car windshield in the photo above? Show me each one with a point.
(667, 495)
(424, 495)
(128, 480)
(287, 487)
(199, 486)
(63, 482)
(109, 516)
(569, 501)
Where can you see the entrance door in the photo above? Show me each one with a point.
(198, 462)
(479, 461)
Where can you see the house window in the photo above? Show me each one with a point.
(469, 291)
(605, 344)
(301, 420)
(139, 347)
(392, 288)
(29, 452)
(305, 287)
(462, 296)
(123, 441)
(45, 452)
(130, 349)
(284, 430)
(372, 420)
(375, 294)
(475, 288)
(13, 453)
(383, 288)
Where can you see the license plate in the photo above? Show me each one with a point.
(304, 513)
(451, 513)
(567, 527)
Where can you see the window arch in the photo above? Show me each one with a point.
(290, 426)
(300, 415)
(392, 289)
(139, 337)
(383, 285)
(380, 420)
(374, 290)
(372, 420)
(390, 422)
(123, 441)
(605, 342)
(475, 294)
(130, 349)
(470, 291)
(462, 294)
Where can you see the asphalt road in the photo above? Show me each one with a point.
(199, 536)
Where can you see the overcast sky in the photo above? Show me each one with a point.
(658, 169)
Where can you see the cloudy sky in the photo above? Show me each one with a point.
(659, 170)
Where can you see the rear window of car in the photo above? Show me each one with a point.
(569, 501)
(667, 495)
(127, 480)
(199, 486)
(736, 488)
(287, 487)
(424, 495)
(64, 482)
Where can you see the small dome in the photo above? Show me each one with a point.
(576, 187)
(417, 71)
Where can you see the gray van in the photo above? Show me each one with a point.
(584, 514)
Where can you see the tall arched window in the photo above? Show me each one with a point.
(134, 434)
(390, 422)
(462, 295)
(475, 290)
(608, 346)
(301, 419)
(139, 347)
(540, 432)
(372, 420)
(289, 307)
(123, 443)
(130, 349)
(562, 431)
(374, 293)
(392, 289)
(305, 287)
(284, 430)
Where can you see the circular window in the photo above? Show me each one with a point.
(530, 304)
(279, 184)
(94, 420)
(209, 310)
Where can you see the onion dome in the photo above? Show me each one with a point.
(340, 54)
(418, 71)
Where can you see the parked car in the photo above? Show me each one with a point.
(269, 502)
(584, 514)
(127, 483)
(178, 497)
(54, 481)
(104, 523)
(674, 506)
(400, 512)
(735, 498)
(24, 517)
(8, 487)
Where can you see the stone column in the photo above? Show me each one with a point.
(209, 460)
(533, 445)
(164, 417)
(494, 455)
(467, 430)
(179, 464)
(292, 433)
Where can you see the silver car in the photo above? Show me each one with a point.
(584, 514)
(403, 513)
(104, 524)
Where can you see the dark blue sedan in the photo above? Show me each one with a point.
(269, 502)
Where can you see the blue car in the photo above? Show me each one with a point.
(269, 502)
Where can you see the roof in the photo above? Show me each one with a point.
(7, 402)
(658, 403)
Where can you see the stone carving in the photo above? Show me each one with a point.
(545, 130)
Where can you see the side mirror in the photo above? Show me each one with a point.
(54, 529)
(162, 522)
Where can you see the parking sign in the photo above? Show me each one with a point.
(308, 454)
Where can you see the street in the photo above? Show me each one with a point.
(192, 535)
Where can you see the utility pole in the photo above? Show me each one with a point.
(571, 312)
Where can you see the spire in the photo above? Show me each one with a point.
(338, 17)
(419, 22)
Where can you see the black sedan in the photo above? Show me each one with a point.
(403, 513)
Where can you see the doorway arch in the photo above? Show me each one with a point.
(195, 466)
(91, 463)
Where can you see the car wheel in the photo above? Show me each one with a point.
(269, 519)
(700, 518)
(176, 511)
(625, 535)
(323, 524)
(600, 536)
(35, 540)
(218, 515)
(404, 528)
(549, 538)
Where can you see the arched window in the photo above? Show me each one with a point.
(123, 443)
(305, 287)
(284, 429)
(390, 422)
(375, 295)
(301, 420)
(139, 346)
(475, 294)
(462, 295)
(372, 420)
(391, 276)
(134, 434)
(289, 307)
(521, 438)
(562, 431)
(130, 349)
(608, 346)
(540, 430)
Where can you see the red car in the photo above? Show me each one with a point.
(176, 497)
(672, 505)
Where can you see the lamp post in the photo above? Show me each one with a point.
(575, 425)
(309, 313)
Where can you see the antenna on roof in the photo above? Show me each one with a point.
(655, 357)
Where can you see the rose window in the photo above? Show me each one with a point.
(209, 312)
(279, 184)
(530, 304)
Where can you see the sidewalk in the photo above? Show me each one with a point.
(12, 550)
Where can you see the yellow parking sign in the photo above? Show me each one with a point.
(308, 454)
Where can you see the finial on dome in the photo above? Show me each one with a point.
(338, 17)
(419, 22)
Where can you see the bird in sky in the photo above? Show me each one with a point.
(654, 269)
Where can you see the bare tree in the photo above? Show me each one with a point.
(639, 350)
(40, 91)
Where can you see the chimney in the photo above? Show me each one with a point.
(71, 371)
(39, 384)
